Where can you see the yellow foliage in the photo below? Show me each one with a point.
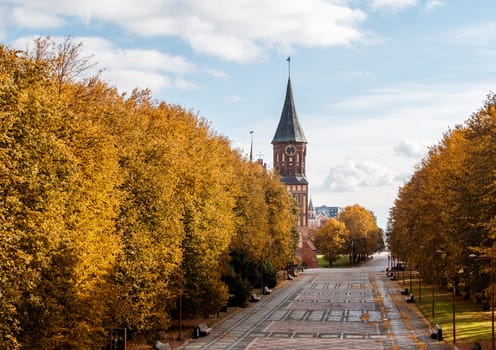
(446, 210)
(112, 206)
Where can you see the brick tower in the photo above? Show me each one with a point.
(289, 151)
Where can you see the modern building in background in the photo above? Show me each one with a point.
(317, 216)
(328, 212)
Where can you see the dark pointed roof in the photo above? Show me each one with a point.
(289, 129)
(294, 180)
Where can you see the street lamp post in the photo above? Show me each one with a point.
(453, 300)
(352, 251)
(433, 279)
(410, 275)
(453, 304)
(439, 251)
(420, 276)
(491, 258)
(492, 296)
(180, 312)
(420, 285)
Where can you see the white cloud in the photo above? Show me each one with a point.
(350, 155)
(237, 30)
(481, 35)
(217, 73)
(392, 4)
(33, 19)
(108, 55)
(423, 105)
(127, 80)
(354, 175)
(433, 4)
(131, 68)
(234, 98)
(3, 21)
(184, 84)
(412, 149)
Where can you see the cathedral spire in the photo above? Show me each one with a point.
(289, 129)
(310, 205)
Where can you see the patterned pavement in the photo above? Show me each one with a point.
(356, 308)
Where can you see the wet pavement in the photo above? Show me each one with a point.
(348, 308)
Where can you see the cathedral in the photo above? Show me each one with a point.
(289, 152)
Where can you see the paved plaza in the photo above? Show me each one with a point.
(350, 308)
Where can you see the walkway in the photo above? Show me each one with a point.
(355, 308)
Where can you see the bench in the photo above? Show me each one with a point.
(436, 332)
(410, 299)
(404, 292)
(204, 329)
(223, 308)
(162, 346)
(254, 298)
(266, 290)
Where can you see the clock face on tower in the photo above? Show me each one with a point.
(290, 150)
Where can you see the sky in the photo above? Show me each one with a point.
(375, 82)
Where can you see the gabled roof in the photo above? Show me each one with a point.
(289, 129)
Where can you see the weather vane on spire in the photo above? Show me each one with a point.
(289, 66)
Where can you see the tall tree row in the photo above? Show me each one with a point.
(446, 211)
(113, 208)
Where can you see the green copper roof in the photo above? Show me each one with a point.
(289, 129)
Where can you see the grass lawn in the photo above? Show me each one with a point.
(342, 261)
(472, 324)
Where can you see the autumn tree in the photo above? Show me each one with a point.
(58, 193)
(446, 207)
(282, 215)
(64, 59)
(116, 207)
(208, 217)
(363, 236)
(330, 239)
(265, 222)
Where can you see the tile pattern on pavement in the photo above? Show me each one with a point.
(326, 308)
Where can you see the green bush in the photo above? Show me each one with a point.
(239, 288)
(269, 275)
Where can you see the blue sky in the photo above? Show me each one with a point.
(375, 82)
